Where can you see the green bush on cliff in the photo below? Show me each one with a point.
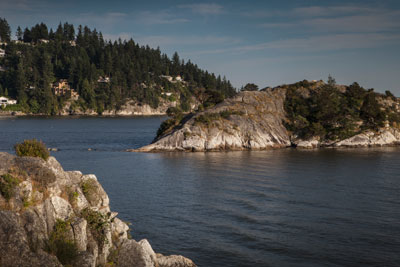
(61, 245)
(169, 124)
(8, 183)
(98, 224)
(32, 148)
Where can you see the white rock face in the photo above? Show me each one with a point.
(250, 120)
(130, 108)
(28, 219)
(385, 137)
(55, 208)
(307, 144)
(80, 235)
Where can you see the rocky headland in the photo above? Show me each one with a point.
(52, 217)
(302, 115)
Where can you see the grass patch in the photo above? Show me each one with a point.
(207, 118)
(98, 224)
(89, 189)
(227, 113)
(41, 175)
(8, 183)
(61, 245)
(32, 148)
(70, 195)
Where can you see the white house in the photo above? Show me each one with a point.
(4, 101)
(178, 78)
(2, 52)
(169, 78)
(103, 80)
(43, 41)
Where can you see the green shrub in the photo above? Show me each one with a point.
(61, 245)
(98, 224)
(207, 118)
(168, 125)
(227, 113)
(7, 185)
(32, 148)
(16, 107)
(88, 188)
(35, 170)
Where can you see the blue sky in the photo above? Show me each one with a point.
(265, 42)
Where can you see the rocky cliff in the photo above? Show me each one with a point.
(259, 120)
(52, 217)
(250, 120)
(130, 108)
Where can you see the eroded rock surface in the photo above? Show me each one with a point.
(47, 205)
(250, 120)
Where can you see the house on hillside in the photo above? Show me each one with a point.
(2, 52)
(4, 101)
(103, 80)
(43, 41)
(166, 93)
(178, 78)
(167, 77)
(62, 88)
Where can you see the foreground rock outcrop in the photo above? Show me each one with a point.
(52, 217)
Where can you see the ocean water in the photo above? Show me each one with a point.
(263, 208)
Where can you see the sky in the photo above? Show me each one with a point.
(263, 42)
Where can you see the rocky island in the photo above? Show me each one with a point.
(52, 217)
(303, 115)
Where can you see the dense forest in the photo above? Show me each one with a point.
(41, 56)
(332, 111)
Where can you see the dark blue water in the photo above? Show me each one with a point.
(267, 208)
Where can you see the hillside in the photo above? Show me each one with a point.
(304, 114)
(46, 69)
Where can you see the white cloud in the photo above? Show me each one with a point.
(114, 37)
(204, 9)
(314, 44)
(160, 17)
(385, 21)
(277, 25)
(164, 40)
(168, 40)
(21, 5)
(326, 11)
(102, 21)
(336, 19)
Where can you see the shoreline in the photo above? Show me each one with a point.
(331, 147)
(10, 115)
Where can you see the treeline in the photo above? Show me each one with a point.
(42, 56)
(336, 112)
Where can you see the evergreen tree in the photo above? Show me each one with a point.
(19, 34)
(5, 31)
